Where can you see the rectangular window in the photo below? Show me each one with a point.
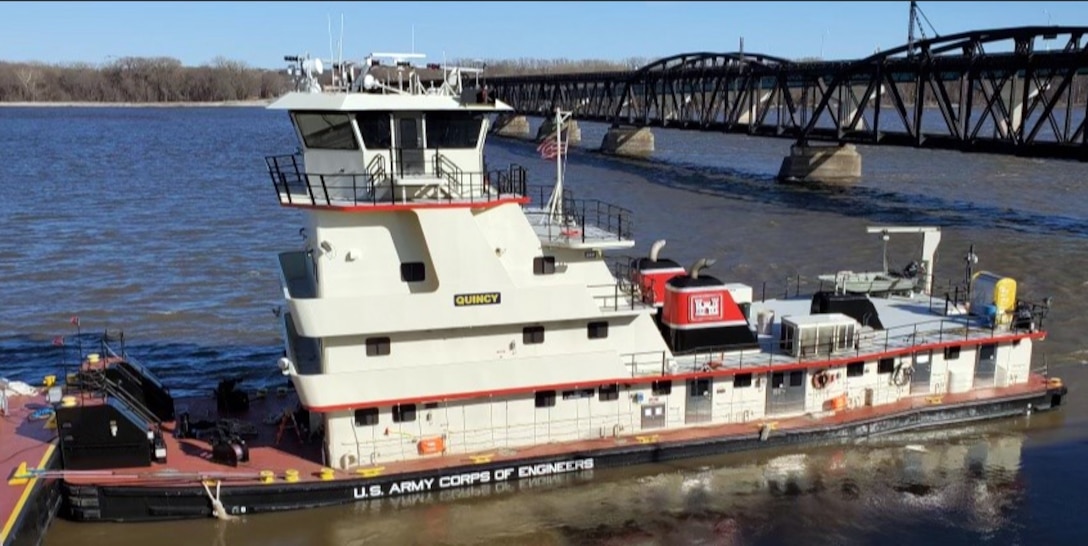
(952, 353)
(404, 413)
(326, 131)
(797, 378)
(377, 346)
(453, 129)
(532, 334)
(742, 380)
(413, 272)
(609, 392)
(662, 388)
(597, 330)
(577, 393)
(778, 380)
(886, 365)
(545, 399)
(855, 369)
(544, 265)
(374, 126)
(430, 405)
(366, 417)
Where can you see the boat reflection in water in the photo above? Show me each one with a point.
(970, 480)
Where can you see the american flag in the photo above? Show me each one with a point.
(549, 150)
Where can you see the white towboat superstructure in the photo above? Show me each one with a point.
(434, 311)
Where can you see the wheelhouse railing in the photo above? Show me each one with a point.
(295, 186)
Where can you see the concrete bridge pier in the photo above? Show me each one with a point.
(572, 133)
(826, 164)
(512, 126)
(636, 142)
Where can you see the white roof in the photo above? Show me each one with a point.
(372, 101)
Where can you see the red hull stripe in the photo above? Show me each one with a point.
(412, 206)
(679, 377)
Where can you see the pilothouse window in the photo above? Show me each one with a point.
(453, 129)
(374, 126)
(326, 131)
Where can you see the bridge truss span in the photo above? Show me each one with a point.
(1019, 91)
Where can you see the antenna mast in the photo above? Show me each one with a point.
(910, 29)
(916, 22)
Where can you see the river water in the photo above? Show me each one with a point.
(163, 223)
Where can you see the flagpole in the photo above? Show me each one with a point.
(559, 163)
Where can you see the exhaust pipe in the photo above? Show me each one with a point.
(655, 249)
(700, 265)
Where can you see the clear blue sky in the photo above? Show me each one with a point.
(260, 33)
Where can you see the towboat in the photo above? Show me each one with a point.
(447, 325)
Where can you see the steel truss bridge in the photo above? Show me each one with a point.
(1020, 91)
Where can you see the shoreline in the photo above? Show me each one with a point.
(179, 104)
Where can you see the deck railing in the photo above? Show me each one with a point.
(867, 344)
(295, 186)
(584, 213)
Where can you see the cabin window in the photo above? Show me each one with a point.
(608, 392)
(545, 399)
(778, 380)
(377, 346)
(430, 405)
(453, 129)
(597, 330)
(797, 379)
(532, 334)
(855, 369)
(662, 388)
(413, 272)
(374, 127)
(404, 413)
(577, 393)
(544, 265)
(886, 365)
(742, 380)
(326, 131)
(952, 353)
(366, 417)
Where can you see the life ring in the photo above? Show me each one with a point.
(821, 379)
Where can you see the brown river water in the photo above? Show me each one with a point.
(163, 222)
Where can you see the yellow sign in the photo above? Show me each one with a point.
(483, 298)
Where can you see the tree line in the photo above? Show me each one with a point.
(139, 79)
(165, 79)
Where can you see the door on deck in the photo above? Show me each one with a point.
(923, 369)
(986, 365)
(786, 393)
(697, 409)
(410, 146)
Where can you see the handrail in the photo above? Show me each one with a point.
(294, 186)
(446, 168)
(612, 219)
(376, 167)
(868, 343)
(99, 381)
